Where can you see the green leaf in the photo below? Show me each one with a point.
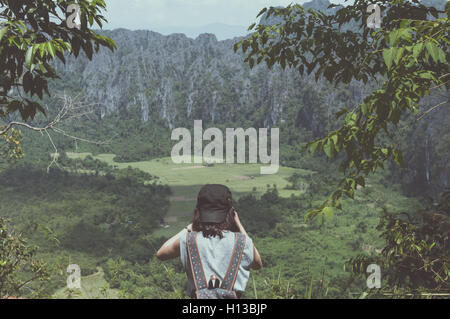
(51, 49)
(328, 212)
(14, 106)
(405, 33)
(433, 50)
(261, 12)
(388, 56)
(441, 56)
(417, 49)
(251, 63)
(2, 32)
(76, 44)
(29, 57)
(245, 46)
(313, 146)
(335, 139)
(27, 82)
(364, 108)
(328, 148)
(393, 37)
(426, 75)
(398, 158)
(87, 47)
(398, 55)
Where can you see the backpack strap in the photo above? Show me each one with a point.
(233, 267)
(196, 264)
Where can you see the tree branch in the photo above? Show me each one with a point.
(431, 109)
(72, 108)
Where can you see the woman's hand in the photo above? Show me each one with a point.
(238, 223)
(257, 263)
(236, 218)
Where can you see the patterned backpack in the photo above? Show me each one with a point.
(212, 290)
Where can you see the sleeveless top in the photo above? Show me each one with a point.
(215, 255)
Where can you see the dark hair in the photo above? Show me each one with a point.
(214, 229)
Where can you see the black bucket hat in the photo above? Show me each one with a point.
(213, 203)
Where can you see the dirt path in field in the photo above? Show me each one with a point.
(187, 167)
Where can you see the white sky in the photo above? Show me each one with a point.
(151, 14)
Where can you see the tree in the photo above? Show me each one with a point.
(10, 150)
(415, 260)
(408, 56)
(32, 35)
(19, 267)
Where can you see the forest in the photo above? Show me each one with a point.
(96, 189)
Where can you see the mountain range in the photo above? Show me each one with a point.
(175, 80)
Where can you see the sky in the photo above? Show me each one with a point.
(178, 14)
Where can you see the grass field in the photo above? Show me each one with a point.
(186, 180)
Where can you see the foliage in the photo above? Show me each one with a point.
(20, 270)
(258, 215)
(409, 53)
(32, 34)
(415, 260)
(94, 214)
(152, 280)
(10, 150)
(89, 215)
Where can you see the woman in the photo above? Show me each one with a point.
(215, 227)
